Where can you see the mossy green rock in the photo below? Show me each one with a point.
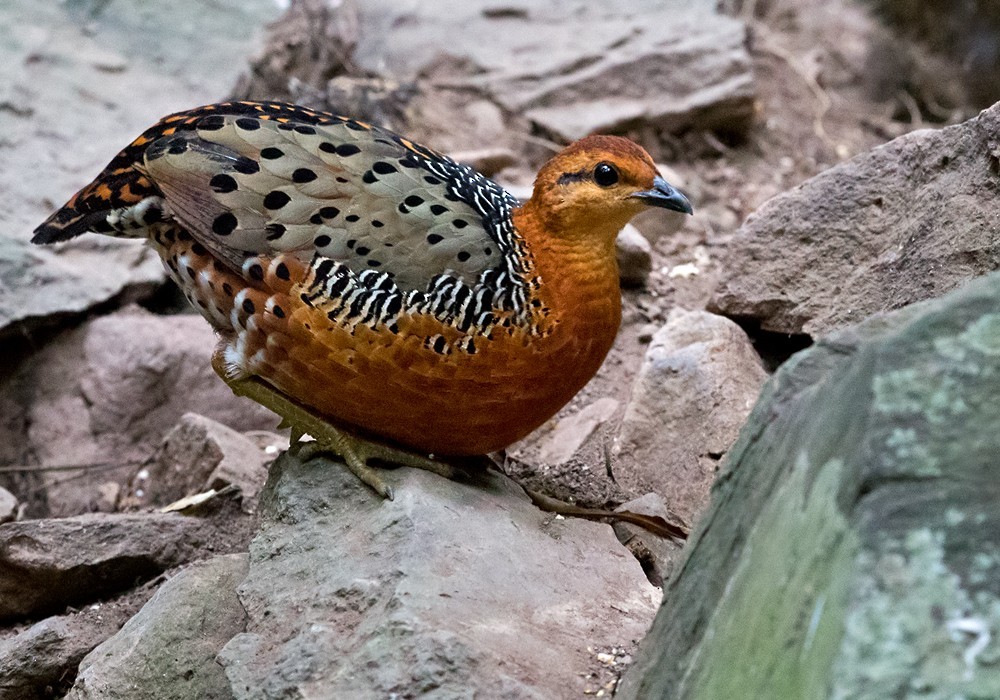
(852, 548)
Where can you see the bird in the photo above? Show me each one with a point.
(380, 297)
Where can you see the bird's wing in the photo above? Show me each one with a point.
(245, 183)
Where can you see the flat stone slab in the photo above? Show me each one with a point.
(49, 564)
(40, 286)
(450, 590)
(574, 67)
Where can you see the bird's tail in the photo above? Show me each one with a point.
(70, 221)
(113, 204)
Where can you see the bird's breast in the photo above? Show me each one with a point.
(418, 381)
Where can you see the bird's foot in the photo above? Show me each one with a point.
(356, 451)
(353, 449)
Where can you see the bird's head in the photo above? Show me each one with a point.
(594, 186)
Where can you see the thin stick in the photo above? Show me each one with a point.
(95, 466)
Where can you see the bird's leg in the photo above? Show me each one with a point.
(353, 449)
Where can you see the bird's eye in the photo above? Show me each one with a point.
(605, 174)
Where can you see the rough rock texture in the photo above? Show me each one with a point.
(569, 434)
(167, 651)
(71, 99)
(43, 285)
(658, 555)
(907, 221)
(197, 455)
(635, 257)
(697, 383)
(453, 590)
(48, 564)
(851, 547)
(107, 392)
(8, 506)
(39, 660)
(574, 67)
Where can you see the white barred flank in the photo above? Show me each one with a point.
(373, 299)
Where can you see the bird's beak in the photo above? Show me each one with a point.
(664, 195)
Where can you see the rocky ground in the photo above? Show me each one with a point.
(142, 547)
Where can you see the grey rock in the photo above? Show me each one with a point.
(45, 655)
(48, 564)
(697, 384)
(42, 285)
(450, 590)
(571, 432)
(488, 161)
(905, 222)
(710, 83)
(121, 55)
(855, 525)
(635, 257)
(659, 556)
(197, 455)
(8, 506)
(107, 393)
(167, 651)
(575, 67)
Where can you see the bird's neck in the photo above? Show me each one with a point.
(579, 282)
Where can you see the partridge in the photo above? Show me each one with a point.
(376, 294)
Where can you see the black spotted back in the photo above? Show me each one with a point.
(269, 177)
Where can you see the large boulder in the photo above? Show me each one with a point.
(450, 590)
(850, 548)
(905, 222)
(696, 386)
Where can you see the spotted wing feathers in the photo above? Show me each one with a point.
(359, 196)
(270, 177)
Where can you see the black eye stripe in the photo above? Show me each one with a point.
(567, 178)
(604, 174)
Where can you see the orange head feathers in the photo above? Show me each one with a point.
(595, 185)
